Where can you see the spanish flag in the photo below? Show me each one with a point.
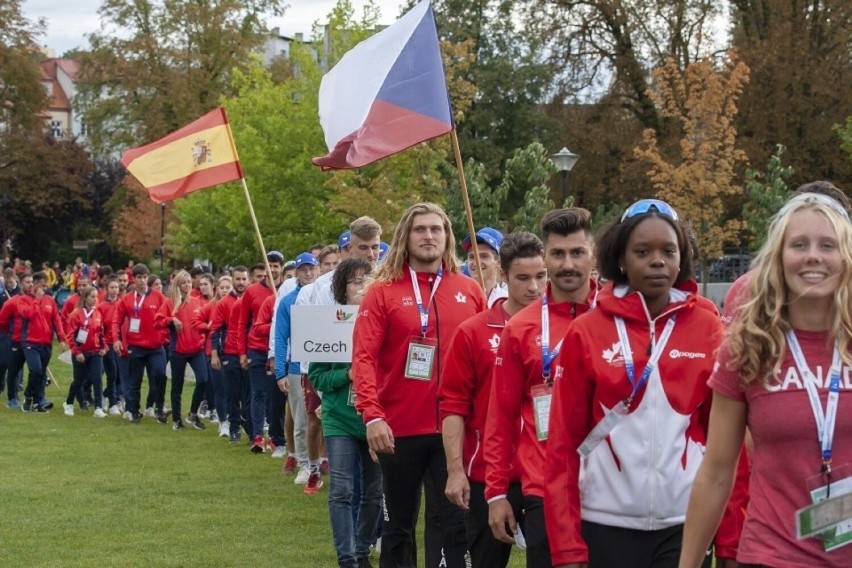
(199, 155)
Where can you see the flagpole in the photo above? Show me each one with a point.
(248, 199)
(467, 209)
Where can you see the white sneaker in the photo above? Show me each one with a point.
(114, 410)
(302, 476)
(224, 430)
(99, 413)
(280, 452)
(69, 409)
(149, 413)
(127, 415)
(214, 417)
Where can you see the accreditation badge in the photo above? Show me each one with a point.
(352, 396)
(82, 336)
(420, 359)
(599, 433)
(135, 324)
(541, 395)
(820, 491)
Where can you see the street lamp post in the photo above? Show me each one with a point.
(564, 160)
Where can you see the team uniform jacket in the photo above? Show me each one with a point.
(220, 324)
(640, 477)
(68, 307)
(10, 323)
(189, 341)
(388, 320)
(510, 427)
(96, 327)
(258, 338)
(202, 320)
(466, 385)
(39, 320)
(107, 310)
(151, 328)
(250, 306)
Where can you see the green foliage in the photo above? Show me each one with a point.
(606, 212)
(767, 192)
(845, 133)
(484, 201)
(22, 95)
(527, 174)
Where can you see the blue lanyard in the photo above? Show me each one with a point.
(422, 308)
(627, 353)
(547, 355)
(137, 304)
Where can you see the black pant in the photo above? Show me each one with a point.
(113, 387)
(615, 547)
(141, 360)
(403, 471)
(87, 372)
(485, 550)
(199, 367)
(38, 358)
(276, 403)
(14, 378)
(239, 396)
(535, 533)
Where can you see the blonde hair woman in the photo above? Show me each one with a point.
(780, 371)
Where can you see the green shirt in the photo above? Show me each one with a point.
(339, 417)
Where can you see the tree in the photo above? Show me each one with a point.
(766, 192)
(484, 201)
(845, 133)
(800, 80)
(697, 182)
(155, 65)
(22, 97)
(527, 173)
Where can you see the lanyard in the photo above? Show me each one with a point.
(824, 421)
(421, 308)
(547, 355)
(86, 315)
(627, 353)
(137, 304)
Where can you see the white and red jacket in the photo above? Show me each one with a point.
(387, 322)
(466, 384)
(640, 477)
(39, 320)
(95, 327)
(151, 328)
(510, 432)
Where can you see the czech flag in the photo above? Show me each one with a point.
(199, 155)
(386, 94)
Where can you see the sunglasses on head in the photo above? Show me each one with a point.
(648, 205)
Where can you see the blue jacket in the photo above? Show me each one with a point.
(283, 365)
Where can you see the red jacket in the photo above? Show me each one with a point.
(466, 385)
(189, 341)
(510, 431)
(641, 475)
(151, 328)
(202, 320)
(68, 307)
(258, 339)
(108, 310)
(220, 326)
(96, 327)
(40, 319)
(387, 321)
(253, 298)
(10, 323)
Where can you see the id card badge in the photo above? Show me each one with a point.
(541, 395)
(841, 484)
(135, 323)
(421, 358)
(82, 336)
(352, 396)
(599, 433)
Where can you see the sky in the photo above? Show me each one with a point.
(69, 22)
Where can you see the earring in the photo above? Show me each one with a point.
(621, 268)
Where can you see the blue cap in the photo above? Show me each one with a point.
(274, 256)
(343, 240)
(383, 250)
(305, 258)
(488, 236)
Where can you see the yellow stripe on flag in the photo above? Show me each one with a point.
(194, 153)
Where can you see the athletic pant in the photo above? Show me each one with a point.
(38, 358)
(277, 401)
(259, 378)
(113, 387)
(296, 401)
(217, 392)
(14, 376)
(237, 380)
(403, 471)
(615, 547)
(485, 550)
(535, 533)
(87, 372)
(140, 360)
(199, 367)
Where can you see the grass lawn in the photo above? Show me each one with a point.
(82, 492)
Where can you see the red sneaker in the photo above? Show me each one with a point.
(314, 484)
(324, 467)
(257, 445)
(290, 466)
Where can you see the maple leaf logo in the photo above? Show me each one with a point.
(461, 298)
(494, 342)
(613, 355)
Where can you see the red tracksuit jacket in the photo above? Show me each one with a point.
(258, 339)
(68, 307)
(202, 320)
(108, 310)
(466, 385)
(387, 321)
(152, 328)
(189, 341)
(510, 426)
(96, 327)
(40, 319)
(222, 325)
(641, 475)
(10, 323)
(252, 299)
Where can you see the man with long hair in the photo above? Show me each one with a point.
(401, 341)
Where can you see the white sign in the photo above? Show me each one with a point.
(322, 334)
